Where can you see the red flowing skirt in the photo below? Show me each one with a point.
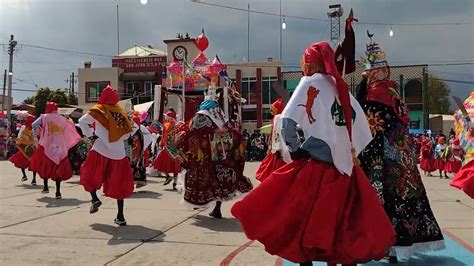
(428, 164)
(46, 168)
(268, 165)
(115, 175)
(307, 210)
(452, 166)
(464, 179)
(166, 164)
(19, 160)
(440, 164)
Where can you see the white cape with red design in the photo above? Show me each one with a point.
(329, 125)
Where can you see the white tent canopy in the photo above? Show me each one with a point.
(143, 107)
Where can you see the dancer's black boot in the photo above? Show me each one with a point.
(58, 189)
(33, 182)
(23, 178)
(120, 220)
(95, 203)
(45, 186)
(216, 213)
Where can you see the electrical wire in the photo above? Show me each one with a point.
(66, 51)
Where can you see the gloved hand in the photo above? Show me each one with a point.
(299, 155)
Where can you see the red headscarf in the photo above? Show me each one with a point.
(278, 107)
(29, 120)
(51, 107)
(170, 114)
(322, 52)
(109, 96)
(441, 140)
(456, 142)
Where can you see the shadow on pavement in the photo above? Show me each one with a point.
(73, 182)
(422, 260)
(145, 194)
(218, 225)
(128, 234)
(64, 202)
(29, 186)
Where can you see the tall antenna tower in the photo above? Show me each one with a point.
(335, 14)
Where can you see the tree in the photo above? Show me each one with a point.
(72, 99)
(29, 100)
(46, 94)
(438, 96)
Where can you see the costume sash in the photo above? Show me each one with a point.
(58, 136)
(113, 118)
(26, 143)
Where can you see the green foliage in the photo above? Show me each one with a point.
(58, 96)
(29, 100)
(438, 96)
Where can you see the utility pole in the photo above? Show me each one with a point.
(11, 49)
(73, 80)
(4, 87)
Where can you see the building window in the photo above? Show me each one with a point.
(269, 95)
(94, 89)
(267, 115)
(249, 115)
(249, 90)
(150, 88)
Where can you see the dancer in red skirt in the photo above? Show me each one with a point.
(106, 163)
(464, 179)
(278, 155)
(440, 159)
(454, 157)
(427, 160)
(26, 146)
(166, 162)
(58, 135)
(321, 206)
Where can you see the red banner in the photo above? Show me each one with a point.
(141, 64)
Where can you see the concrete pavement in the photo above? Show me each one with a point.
(37, 229)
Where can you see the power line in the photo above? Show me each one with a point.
(66, 51)
(321, 19)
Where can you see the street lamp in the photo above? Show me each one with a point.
(283, 24)
(391, 31)
(143, 2)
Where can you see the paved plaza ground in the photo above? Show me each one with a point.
(37, 229)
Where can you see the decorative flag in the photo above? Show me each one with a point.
(345, 51)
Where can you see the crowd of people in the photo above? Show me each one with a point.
(339, 176)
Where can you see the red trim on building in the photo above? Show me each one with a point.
(259, 97)
(238, 80)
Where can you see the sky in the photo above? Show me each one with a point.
(90, 26)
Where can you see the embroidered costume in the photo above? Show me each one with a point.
(58, 135)
(279, 154)
(464, 179)
(320, 206)
(212, 152)
(427, 160)
(106, 164)
(138, 144)
(166, 161)
(390, 163)
(77, 154)
(26, 146)
(454, 157)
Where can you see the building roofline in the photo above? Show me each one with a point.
(178, 40)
